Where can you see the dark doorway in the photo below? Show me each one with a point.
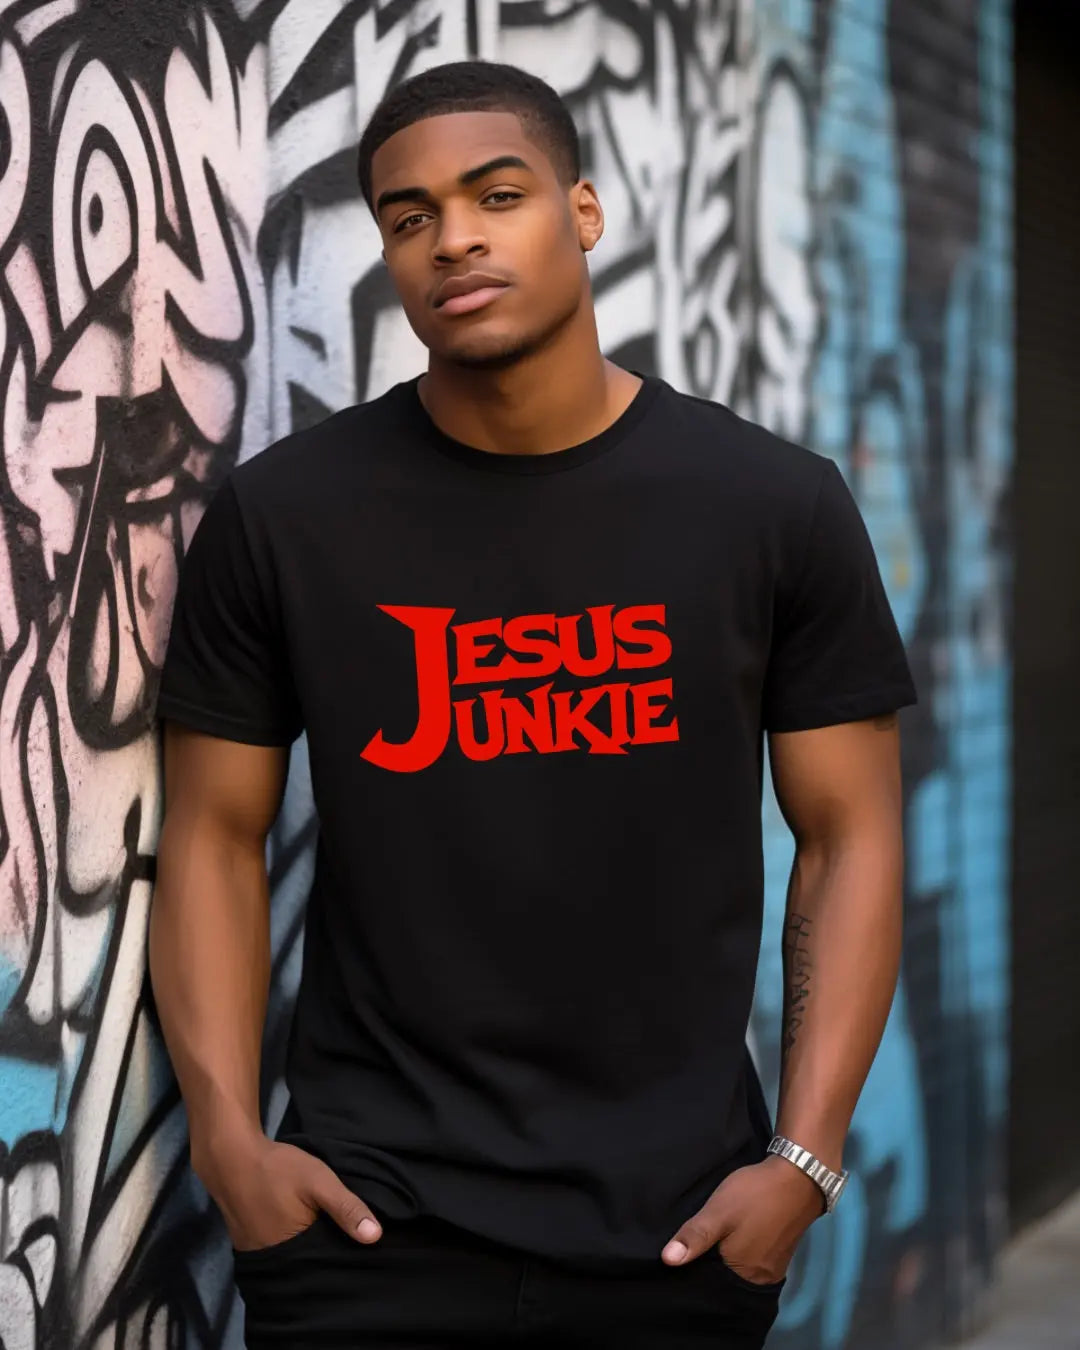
(1044, 1164)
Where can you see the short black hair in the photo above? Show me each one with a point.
(475, 86)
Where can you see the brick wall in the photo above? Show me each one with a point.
(808, 218)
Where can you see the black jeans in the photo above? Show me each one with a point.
(426, 1285)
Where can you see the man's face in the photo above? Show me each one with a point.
(484, 244)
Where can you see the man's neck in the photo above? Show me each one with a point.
(543, 403)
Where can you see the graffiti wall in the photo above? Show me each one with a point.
(808, 218)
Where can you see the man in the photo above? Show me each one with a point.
(536, 615)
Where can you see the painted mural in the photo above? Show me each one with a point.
(807, 218)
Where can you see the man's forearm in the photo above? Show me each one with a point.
(841, 949)
(210, 967)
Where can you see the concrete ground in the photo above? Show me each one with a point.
(1036, 1303)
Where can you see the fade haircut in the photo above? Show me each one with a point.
(475, 86)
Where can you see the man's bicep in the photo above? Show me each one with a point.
(231, 788)
(829, 778)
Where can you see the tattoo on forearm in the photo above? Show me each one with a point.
(797, 967)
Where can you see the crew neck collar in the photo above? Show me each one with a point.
(553, 461)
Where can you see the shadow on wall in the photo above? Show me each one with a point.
(793, 229)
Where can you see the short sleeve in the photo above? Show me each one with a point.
(226, 668)
(836, 653)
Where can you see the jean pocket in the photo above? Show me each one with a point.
(257, 1256)
(772, 1288)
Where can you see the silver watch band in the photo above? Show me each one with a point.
(831, 1183)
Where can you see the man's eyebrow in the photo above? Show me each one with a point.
(499, 162)
(406, 194)
(420, 194)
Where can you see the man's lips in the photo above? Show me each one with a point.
(462, 295)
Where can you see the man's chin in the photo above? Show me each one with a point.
(490, 354)
(489, 346)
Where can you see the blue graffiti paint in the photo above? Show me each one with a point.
(870, 413)
(33, 1099)
(10, 979)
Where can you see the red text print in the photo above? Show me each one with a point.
(602, 719)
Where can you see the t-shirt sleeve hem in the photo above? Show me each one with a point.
(227, 728)
(850, 708)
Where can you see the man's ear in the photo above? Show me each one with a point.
(588, 214)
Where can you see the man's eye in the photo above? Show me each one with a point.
(503, 194)
(406, 221)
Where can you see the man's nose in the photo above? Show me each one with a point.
(459, 237)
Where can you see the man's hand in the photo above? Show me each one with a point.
(269, 1192)
(755, 1219)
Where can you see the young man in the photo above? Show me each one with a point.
(536, 615)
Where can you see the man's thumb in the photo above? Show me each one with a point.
(696, 1235)
(348, 1211)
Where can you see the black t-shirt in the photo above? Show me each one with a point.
(534, 690)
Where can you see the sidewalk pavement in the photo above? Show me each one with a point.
(1036, 1303)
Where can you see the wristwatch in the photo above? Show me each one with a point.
(830, 1183)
